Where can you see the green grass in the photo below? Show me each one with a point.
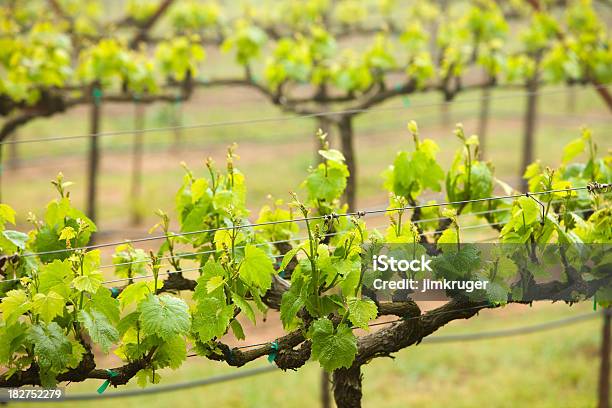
(557, 368)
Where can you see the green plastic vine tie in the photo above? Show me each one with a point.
(97, 95)
(405, 99)
(282, 274)
(274, 352)
(595, 302)
(114, 292)
(105, 384)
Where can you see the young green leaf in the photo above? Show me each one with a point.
(14, 304)
(256, 268)
(51, 346)
(164, 316)
(100, 329)
(333, 348)
(88, 282)
(212, 318)
(361, 311)
(48, 306)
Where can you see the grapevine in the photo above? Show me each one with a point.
(56, 306)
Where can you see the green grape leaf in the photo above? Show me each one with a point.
(164, 316)
(17, 238)
(198, 189)
(212, 271)
(573, 149)
(103, 302)
(55, 276)
(51, 346)
(361, 311)
(244, 306)
(88, 282)
(288, 257)
(237, 329)
(457, 264)
(76, 356)
(129, 261)
(11, 339)
(449, 236)
(332, 348)
(291, 304)
(136, 292)
(214, 283)
(171, 353)
(530, 210)
(99, 328)
(7, 214)
(332, 155)
(212, 318)
(326, 186)
(256, 269)
(48, 306)
(47, 240)
(14, 304)
(147, 375)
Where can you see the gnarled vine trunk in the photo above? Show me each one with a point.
(345, 130)
(347, 387)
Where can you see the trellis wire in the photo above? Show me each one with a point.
(287, 118)
(314, 218)
(32, 160)
(261, 370)
(210, 251)
(283, 241)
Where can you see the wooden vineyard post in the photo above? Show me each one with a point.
(94, 152)
(604, 368)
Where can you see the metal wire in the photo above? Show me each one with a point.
(276, 242)
(306, 219)
(283, 241)
(266, 369)
(286, 118)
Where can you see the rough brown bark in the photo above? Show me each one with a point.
(347, 387)
(604, 369)
(345, 130)
(325, 396)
